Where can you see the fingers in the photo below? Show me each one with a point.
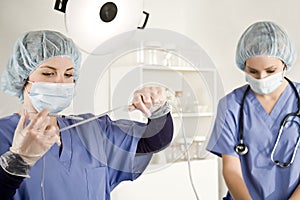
(142, 103)
(148, 98)
(53, 137)
(40, 128)
(34, 140)
(44, 132)
(22, 122)
(40, 121)
(39, 132)
(38, 142)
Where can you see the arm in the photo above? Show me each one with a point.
(157, 136)
(153, 103)
(27, 147)
(9, 183)
(296, 194)
(232, 173)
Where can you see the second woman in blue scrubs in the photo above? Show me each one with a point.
(264, 53)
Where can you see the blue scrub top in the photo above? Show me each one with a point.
(94, 159)
(263, 178)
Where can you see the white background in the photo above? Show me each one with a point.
(215, 25)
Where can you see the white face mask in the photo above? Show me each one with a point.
(54, 96)
(266, 85)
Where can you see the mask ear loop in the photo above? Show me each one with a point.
(26, 90)
(26, 107)
(284, 69)
(25, 86)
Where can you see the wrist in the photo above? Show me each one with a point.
(14, 164)
(163, 110)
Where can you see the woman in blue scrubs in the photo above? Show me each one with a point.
(38, 161)
(245, 131)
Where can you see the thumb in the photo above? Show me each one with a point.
(23, 119)
(18, 132)
(131, 107)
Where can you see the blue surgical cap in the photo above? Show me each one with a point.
(265, 39)
(30, 51)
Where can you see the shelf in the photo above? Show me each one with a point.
(204, 114)
(168, 68)
(175, 68)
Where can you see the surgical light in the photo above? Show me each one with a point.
(91, 22)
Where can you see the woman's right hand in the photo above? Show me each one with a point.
(232, 173)
(31, 142)
(148, 99)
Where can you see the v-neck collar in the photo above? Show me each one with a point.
(274, 115)
(65, 155)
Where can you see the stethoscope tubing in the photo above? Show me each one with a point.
(241, 144)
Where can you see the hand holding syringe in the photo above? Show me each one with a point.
(32, 141)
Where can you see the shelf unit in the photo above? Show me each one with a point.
(198, 89)
(194, 120)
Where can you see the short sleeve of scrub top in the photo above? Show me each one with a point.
(224, 135)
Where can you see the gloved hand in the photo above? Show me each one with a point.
(149, 99)
(31, 142)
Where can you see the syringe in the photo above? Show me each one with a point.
(93, 118)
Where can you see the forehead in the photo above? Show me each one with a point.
(262, 62)
(60, 62)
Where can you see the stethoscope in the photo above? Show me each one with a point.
(241, 148)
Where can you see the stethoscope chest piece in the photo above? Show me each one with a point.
(241, 149)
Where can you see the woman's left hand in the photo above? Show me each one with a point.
(148, 99)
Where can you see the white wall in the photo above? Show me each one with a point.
(217, 24)
(214, 24)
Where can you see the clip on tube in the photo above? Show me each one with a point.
(67, 116)
(62, 116)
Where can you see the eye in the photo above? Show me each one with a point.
(252, 71)
(48, 73)
(68, 75)
(270, 71)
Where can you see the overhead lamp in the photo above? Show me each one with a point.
(91, 22)
(61, 5)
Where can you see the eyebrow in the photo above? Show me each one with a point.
(53, 68)
(272, 67)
